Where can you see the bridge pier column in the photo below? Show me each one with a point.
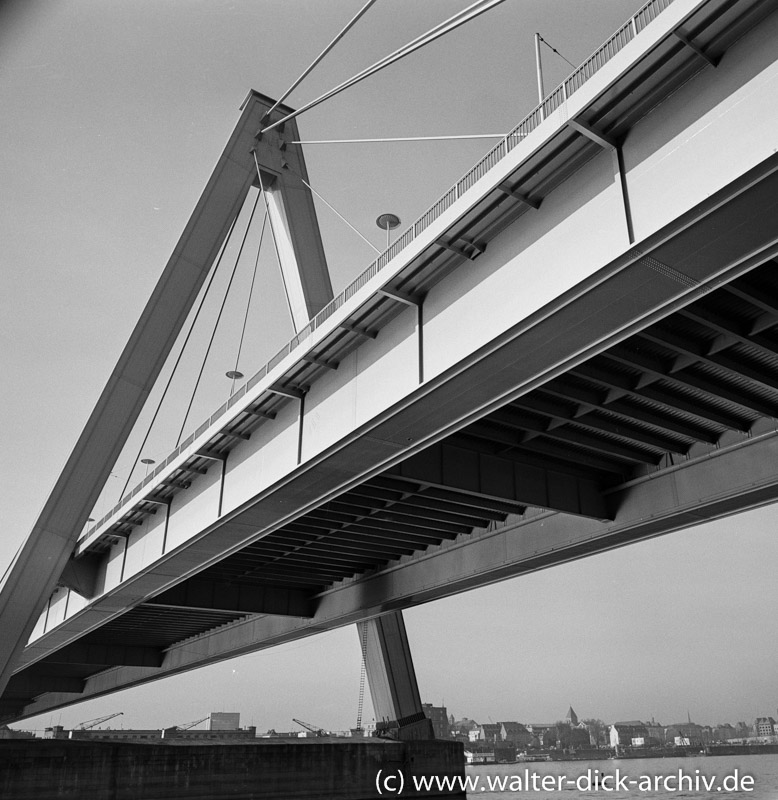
(392, 680)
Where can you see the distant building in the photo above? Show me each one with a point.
(514, 733)
(572, 718)
(439, 718)
(463, 726)
(461, 729)
(597, 730)
(241, 734)
(656, 732)
(538, 730)
(563, 736)
(224, 721)
(489, 732)
(685, 734)
(764, 726)
(150, 734)
(10, 733)
(622, 734)
(708, 734)
(110, 734)
(723, 733)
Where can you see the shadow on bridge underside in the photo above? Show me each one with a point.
(668, 426)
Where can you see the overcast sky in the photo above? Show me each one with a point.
(113, 115)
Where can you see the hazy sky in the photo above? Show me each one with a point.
(113, 117)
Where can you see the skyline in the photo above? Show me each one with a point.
(101, 172)
(546, 720)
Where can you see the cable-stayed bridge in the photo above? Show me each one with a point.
(574, 349)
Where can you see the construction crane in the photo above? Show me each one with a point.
(311, 728)
(91, 723)
(187, 725)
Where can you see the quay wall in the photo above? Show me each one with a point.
(741, 749)
(323, 769)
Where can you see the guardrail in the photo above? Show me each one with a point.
(625, 34)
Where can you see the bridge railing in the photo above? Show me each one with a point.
(643, 17)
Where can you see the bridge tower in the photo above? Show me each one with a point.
(267, 161)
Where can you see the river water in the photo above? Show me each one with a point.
(754, 777)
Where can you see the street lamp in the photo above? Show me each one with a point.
(387, 222)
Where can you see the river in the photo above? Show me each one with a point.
(754, 777)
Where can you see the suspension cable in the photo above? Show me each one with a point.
(275, 241)
(251, 294)
(321, 56)
(406, 49)
(180, 353)
(401, 139)
(218, 319)
(332, 208)
(453, 22)
(553, 49)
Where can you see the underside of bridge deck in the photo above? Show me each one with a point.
(693, 384)
(703, 376)
(669, 425)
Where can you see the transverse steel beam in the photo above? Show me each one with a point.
(449, 466)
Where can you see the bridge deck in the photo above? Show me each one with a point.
(570, 410)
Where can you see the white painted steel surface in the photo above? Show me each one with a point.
(524, 270)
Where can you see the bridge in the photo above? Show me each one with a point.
(574, 349)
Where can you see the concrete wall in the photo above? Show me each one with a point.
(319, 770)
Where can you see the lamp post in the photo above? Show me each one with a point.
(148, 462)
(233, 375)
(387, 222)
(539, 69)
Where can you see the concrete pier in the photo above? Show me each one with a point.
(319, 769)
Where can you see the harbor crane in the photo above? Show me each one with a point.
(91, 723)
(187, 725)
(312, 728)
